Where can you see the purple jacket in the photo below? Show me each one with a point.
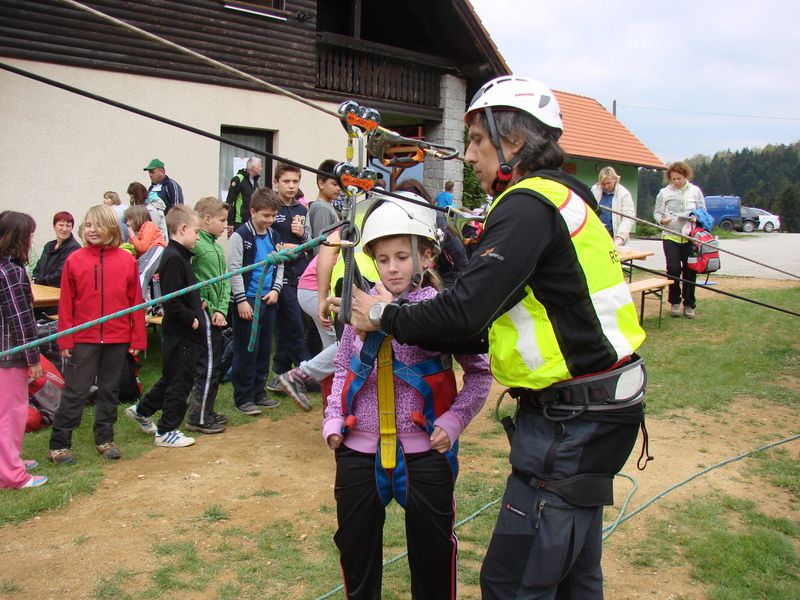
(365, 435)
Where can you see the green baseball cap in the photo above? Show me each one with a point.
(154, 164)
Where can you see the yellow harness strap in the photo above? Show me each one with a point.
(386, 405)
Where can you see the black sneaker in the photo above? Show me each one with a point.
(219, 418)
(265, 402)
(274, 385)
(249, 408)
(212, 427)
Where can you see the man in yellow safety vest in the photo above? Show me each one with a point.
(545, 291)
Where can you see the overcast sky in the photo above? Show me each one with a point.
(734, 57)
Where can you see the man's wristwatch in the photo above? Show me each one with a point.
(376, 312)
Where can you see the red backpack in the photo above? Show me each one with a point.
(45, 391)
(702, 258)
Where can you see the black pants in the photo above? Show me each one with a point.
(179, 356)
(290, 342)
(249, 370)
(543, 548)
(677, 256)
(89, 361)
(430, 515)
(206, 378)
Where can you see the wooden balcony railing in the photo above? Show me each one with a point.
(373, 74)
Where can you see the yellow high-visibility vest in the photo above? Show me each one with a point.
(537, 342)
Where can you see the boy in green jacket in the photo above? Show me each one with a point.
(208, 262)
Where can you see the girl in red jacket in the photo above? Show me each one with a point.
(98, 280)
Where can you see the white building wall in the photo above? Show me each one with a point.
(60, 151)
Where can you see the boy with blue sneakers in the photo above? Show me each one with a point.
(252, 242)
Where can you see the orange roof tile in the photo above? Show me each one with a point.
(590, 131)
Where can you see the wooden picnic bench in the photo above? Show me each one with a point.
(646, 287)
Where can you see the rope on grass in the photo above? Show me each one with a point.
(674, 487)
(272, 259)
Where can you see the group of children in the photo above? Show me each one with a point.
(410, 458)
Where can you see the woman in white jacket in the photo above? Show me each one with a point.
(674, 207)
(609, 192)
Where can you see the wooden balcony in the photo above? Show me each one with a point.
(364, 69)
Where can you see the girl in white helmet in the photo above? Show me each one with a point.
(394, 418)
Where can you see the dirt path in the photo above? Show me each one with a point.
(141, 501)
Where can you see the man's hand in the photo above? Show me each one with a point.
(271, 297)
(195, 323)
(362, 302)
(440, 441)
(218, 319)
(66, 353)
(133, 351)
(245, 310)
(334, 441)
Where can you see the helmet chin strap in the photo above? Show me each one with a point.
(416, 278)
(506, 168)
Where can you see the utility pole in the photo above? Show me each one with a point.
(614, 108)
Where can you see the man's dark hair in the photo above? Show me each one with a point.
(540, 149)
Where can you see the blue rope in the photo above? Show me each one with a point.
(272, 259)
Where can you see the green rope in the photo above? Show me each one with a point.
(251, 345)
(272, 259)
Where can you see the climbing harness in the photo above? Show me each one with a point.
(433, 379)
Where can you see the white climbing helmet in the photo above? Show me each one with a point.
(527, 95)
(390, 216)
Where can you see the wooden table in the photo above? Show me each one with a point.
(45, 295)
(628, 255)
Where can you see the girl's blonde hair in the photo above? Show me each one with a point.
(138, 215)
(105, 223)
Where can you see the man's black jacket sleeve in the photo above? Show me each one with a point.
(517, 233)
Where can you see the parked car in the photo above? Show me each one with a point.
(766, 220)
(726, 210)
(749, 220)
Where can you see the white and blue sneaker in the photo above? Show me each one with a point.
(173, 439)
(145, 423)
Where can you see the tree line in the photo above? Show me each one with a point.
(767, 178)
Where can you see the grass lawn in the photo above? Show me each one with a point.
(728, 545)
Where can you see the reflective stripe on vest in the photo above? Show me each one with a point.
(524, 348)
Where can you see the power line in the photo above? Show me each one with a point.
(709, 114)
